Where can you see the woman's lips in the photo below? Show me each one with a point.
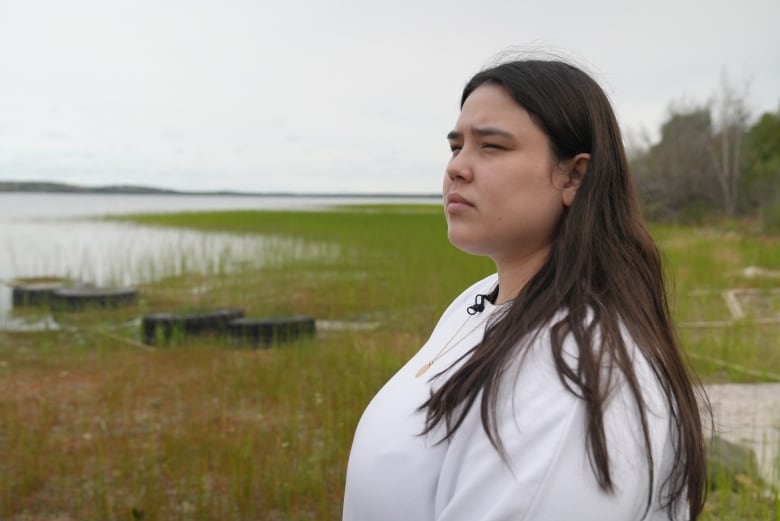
(457, 203)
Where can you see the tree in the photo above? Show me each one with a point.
(709, 159)
(674, 175)
(731, 123)
(762, 154)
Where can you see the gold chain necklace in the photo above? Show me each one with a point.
(447, 347)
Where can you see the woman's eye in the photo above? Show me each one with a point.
(493, 146)
(455, 149)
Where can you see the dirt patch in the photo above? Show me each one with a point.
(749, 414)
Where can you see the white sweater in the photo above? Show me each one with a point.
(394, 474)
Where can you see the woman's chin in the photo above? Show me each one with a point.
(465, 243)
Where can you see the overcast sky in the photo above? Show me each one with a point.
(346, 96)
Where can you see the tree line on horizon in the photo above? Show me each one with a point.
(713, 161)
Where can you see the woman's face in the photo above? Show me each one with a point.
(504, 192)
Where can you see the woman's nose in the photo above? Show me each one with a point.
(459, 167)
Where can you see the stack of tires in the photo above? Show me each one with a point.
(161, 328)
(62, 295)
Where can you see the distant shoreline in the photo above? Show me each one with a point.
(64, 188)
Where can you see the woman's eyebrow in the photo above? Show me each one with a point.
(481, 132)
(492, 131)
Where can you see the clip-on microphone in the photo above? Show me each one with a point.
(478, 306)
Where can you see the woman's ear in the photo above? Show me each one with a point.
(576, 169)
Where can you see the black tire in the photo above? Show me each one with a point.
(84, 297)
(34, 294)
(161, 327)
(269, 331)
(158, 327)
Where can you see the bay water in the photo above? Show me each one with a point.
(60, 235)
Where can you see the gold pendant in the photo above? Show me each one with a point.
(425, 367)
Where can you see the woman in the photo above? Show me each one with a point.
(554, 389)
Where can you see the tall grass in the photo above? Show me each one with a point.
(394, 263)
(96, 427)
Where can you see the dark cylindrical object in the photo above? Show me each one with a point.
(77, 298)
(162, 326)
(268, 331)
(157, 326)
(36, 294)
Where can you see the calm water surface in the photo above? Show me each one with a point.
(56, 235)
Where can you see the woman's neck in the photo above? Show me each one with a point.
(514, 273)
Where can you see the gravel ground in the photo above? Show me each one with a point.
(749, 414)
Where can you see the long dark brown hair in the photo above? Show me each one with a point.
(605, 271)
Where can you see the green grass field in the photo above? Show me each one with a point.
(98, 426)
